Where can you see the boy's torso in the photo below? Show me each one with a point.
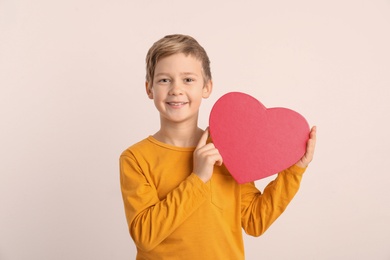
(212, 230)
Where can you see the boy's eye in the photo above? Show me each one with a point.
(188, 80)
(163, 80)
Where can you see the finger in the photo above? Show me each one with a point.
(219, 162)
(216, 158)
(209, 151)
(203, 139)
(313, 133)
(310, 146)
(313, 138)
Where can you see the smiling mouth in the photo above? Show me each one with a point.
(177, 104)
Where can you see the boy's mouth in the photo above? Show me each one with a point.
(176, 103)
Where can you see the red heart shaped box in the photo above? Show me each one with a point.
(254, 141)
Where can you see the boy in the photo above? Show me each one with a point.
(180, 200)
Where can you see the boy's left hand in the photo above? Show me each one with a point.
(310, 146)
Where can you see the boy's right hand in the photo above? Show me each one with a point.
(205, 157)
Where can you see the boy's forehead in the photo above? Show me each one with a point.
(179, 61)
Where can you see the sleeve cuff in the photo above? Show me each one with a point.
(198, 183)
(295, 169)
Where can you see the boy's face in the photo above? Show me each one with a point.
(178, 88)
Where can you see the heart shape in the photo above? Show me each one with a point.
(254, 141)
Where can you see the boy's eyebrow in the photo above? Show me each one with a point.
(189, 73)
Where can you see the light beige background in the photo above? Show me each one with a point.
(72, 98)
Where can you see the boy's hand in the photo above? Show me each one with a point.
(205, 157)
(310, 146)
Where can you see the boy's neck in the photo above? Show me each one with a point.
(179, 135)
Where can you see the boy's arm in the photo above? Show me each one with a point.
(150, 219)
(259, 211)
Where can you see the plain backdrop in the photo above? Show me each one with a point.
(72, 99)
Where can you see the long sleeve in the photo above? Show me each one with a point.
(259, 211)
(151, 219)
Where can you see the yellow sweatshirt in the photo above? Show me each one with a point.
(172, 214)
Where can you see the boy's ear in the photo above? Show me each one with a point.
(149, 91)
(207, 88)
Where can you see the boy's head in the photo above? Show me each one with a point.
(174, 44)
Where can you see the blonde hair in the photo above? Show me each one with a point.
(174, 44)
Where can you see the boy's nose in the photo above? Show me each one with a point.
(175, 89)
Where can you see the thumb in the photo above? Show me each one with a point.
(203, 139)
